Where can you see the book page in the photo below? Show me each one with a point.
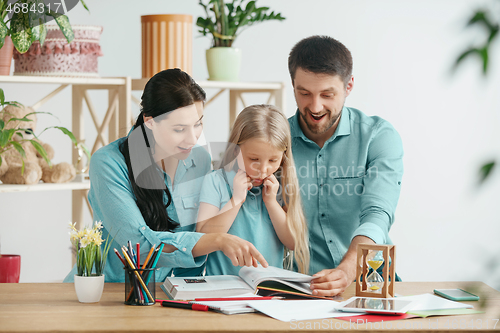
(253, 276)
(299, 310)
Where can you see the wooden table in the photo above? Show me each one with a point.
(34, 307)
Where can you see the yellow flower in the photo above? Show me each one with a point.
(73, 236)
(72, 226)
(85, 241)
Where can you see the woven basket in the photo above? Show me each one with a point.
(58, 58)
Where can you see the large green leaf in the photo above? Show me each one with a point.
(4, 31)
(39, 148)
(68, 133)
(2, 97)
(19, 148)
(19, 119)
(39, 32)
(2, 124)
(35, 17)
(64, 25)
(21, 31)
(5, 137)
(84, 5)
(485, 171)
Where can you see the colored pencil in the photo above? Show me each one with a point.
(263, 298)
(137, 275)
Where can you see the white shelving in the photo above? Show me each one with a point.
(82, 185)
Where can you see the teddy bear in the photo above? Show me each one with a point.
(35, 167)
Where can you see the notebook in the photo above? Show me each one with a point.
(250, 280)
(229, 307)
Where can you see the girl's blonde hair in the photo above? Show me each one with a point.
(268, 123)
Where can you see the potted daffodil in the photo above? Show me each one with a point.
(90, 261)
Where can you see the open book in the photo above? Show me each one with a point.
(270, 281)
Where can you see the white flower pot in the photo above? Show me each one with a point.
(89, 288)
(223, 63)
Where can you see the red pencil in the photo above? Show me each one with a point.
(138, 247)
(263, 298)
(120, 257)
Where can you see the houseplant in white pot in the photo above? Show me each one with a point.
(224, 22)
(90, 261)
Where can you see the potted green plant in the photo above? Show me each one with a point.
(22, 22)
(224, 21)
(90, 261)
(20, 139)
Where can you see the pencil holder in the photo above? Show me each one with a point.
(140, 286)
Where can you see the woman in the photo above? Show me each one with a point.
(145, 187)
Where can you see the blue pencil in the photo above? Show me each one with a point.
(155, 261)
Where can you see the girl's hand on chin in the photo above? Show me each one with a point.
(241, 184)
(271, 188)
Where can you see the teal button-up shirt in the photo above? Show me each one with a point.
(350, 186)
(252, 223)
(113, 202)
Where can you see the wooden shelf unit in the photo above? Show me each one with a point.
(118, 117)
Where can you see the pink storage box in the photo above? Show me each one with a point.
(58, 58)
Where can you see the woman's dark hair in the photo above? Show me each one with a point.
(167, 91)
(321, 55)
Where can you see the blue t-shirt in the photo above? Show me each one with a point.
(252, 223)
(113, 202)
(350, 186)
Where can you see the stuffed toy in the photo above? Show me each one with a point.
(35, 167)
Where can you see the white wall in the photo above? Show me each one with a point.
(446, 227)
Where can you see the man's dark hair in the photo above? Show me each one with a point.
(321, 55)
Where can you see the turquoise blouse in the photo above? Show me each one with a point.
(252, 223)
(113, 202)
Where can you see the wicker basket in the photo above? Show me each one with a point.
(58, 58)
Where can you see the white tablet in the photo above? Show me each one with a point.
(376, 305)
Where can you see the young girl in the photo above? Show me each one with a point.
(255, 194)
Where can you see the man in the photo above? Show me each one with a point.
(349, 164)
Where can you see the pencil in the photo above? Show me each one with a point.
(133, 282)
(263, 298)
(149, 256)
(137, 275)
(120, 257)
(155, 260)
(138, 247)
(144, 265)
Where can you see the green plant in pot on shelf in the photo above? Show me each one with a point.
(224, 21)
(24, 159)
(22, 23)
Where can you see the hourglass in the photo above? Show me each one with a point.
(374, 281)
(372, 284)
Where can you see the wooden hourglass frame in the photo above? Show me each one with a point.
(388, 272)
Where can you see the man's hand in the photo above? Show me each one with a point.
(330, 282)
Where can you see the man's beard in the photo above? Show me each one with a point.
(314, 128)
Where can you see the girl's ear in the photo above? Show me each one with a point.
(148, 121)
